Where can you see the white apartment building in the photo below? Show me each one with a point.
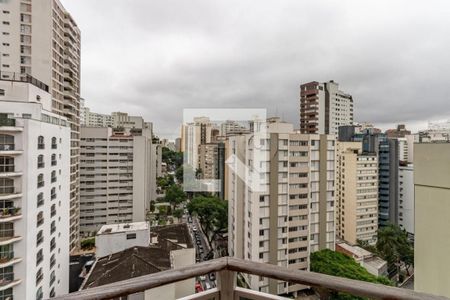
(39, 38)
(406, 199)
(356, 193)
(117, 176)
(92, 119)
(323, 108)
(34, 193)
(200, 131)
(292, 214)
(406, 148)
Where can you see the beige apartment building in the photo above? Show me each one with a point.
(289, 213)
(432, 221)
(118, 176)
(39, 38)
(356, 193)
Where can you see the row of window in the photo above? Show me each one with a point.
(41, 142)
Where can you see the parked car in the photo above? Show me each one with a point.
(198, 287)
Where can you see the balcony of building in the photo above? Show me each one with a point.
(228, 270)
(8, 259)
(7, 234)
(7, 279)
(10, 214)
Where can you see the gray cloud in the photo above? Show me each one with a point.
(157, 57)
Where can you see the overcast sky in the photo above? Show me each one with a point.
(155, 57)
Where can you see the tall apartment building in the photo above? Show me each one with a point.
(323, 108)
(432, 211)
(406, 198)
(356, 193)
(40, 39)
(200, 131)
(388, 162)
(406, 148)
(293, 214)
(118, 176)
(34, 192)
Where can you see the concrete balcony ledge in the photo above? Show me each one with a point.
(9, 284)
(11, 129)
(9, 240)
(11, 152)
(11, 174)
(10, 262)
(10, 218)
(10, 196)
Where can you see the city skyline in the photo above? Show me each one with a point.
(168, 51)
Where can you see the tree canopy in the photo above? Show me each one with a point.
(212, 213)
(175, 195)
(171, 158)
(338, 264)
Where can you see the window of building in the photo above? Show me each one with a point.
(53, 227)
(40, 180)
(53, 178)
(39, 276)
(40, 161)
(40, 199)
(40, 219)
(6, 141)
(6, 274)
(6, 186)
(6, 294)
(39, 257)
(52, 244)
(54, 143)
(52, 278)
(41, 144)
(131, 236)
(53, 210)
(39, 238)
(6, 164)
(54, 162)
(2, 92)
(53, 193)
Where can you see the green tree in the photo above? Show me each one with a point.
(88, 243)
(175, 195)
(212, 213)
(179, 173)
(338, 264)
(165, 181)
(152, 205)
(173, 159)
(178, 213)
(394, 247)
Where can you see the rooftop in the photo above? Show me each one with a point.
(138, 261)
(123, 227)
(12, 76)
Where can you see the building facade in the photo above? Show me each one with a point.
(323, 108)
(406, 199)
(356, 193)
(432, 208)
(293, 212)
(34, 193)
(40, 39)
(118, 176)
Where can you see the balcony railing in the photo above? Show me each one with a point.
(227, 268)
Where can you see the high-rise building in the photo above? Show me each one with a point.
(356, 193)
(41, 39)
(406, 149)
(200, 131)
(323, 108)
(432, 222)
(406, 198)
(118, 175)
(388, 162)
(34, 192)
(293, 214)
